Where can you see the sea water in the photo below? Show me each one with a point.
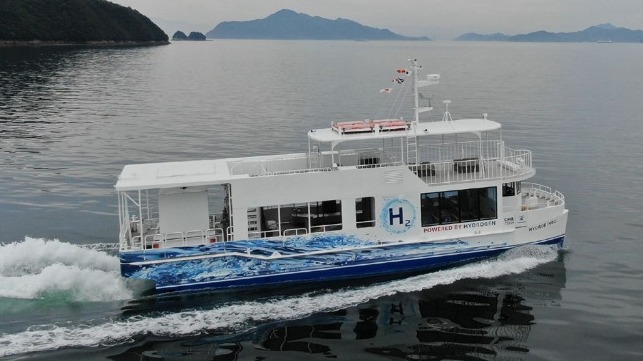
(71, 118)
(63, 274)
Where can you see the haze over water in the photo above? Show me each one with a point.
(71, 118)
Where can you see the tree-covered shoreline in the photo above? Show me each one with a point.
(71, 22)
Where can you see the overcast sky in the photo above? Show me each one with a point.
(438, 19)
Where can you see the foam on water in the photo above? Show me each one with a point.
(39, 268)
(240, 315)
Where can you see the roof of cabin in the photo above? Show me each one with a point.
(329, 135)
(207, 172)
(172, 174)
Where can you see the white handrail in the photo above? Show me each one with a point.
(264, 234)
(541, 191)
(326, 227)
(295, 232)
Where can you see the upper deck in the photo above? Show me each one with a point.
(435, 164)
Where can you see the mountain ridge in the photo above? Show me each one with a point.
(287, 24)
(597, 33)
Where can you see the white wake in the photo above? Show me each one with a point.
(238, 315)
(38, 268)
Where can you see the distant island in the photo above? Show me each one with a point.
(290, 25)
(44, 22)
(598, 33)
(194, 36)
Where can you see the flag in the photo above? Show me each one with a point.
(386, 90)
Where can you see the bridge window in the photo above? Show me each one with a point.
(466, 205)
(510, 189)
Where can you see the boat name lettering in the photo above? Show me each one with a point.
(459, 226)
(542, 225)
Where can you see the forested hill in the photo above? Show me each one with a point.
(290, 25)
(75, 22)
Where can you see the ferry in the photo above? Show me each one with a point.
(369, 199)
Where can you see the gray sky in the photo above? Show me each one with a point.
(439, 19)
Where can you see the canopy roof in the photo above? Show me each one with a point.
(172, 174)
(476, 126)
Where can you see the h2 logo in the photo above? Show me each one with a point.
(398, 215)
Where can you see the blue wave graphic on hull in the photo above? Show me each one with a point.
(256, 247)
(235, 259)
(237, 270)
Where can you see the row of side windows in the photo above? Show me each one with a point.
(302, 218)
(466, 205)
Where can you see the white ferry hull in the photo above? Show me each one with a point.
(263, 263)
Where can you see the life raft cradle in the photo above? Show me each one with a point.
(370, 126)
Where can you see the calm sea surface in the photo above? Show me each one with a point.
(71, 118)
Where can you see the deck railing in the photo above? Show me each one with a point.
(175, 239)
(536, 196)
(437, 164)
(474, 169)
(295, 232)
(272, 165)
(263, 234)
(540, 191)
(318, 162)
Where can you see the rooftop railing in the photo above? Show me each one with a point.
(474, 169)
(436, 164)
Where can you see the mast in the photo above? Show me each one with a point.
(431, 79)
(412, 140)
(416, 95)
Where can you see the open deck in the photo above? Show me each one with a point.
(442, 164)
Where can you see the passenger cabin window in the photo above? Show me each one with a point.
(294, 219)
(459, 206)
(325, 216)
(365, 212)
(510, 189)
